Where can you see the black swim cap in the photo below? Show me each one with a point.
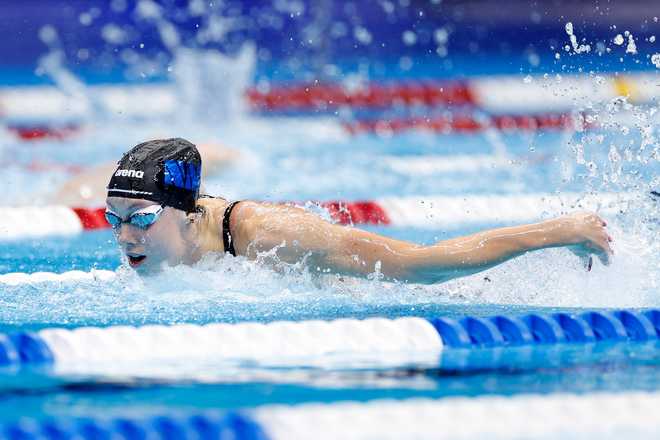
(166, 171)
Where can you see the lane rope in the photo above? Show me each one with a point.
(430, 212)
(331, 96)
(497, 94)
(314, 339)
(594, 415)
(466, 123)
(562, 415)
(456, 123)
(73, 276)
(443, 164)
(230, 425)
(217, 342)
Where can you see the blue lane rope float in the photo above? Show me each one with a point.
(452, 333)
(8, 353)
(31, 349)
(574, 327)
(537, 328)
(519, 416)
(544, 331)
(315, 338)
(654, 317)
(638, 325)
(513, 330)
(232, 425)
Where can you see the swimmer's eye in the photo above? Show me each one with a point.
(113, 219)
(146, 217)
(142, 218)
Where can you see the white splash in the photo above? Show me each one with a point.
(577, 48)
(655, 59)
(211, 86)
(631, 47)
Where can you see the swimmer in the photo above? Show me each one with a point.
(88, 188)
(160, 219)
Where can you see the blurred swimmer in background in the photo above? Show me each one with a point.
(161, 219)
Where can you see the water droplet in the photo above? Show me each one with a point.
(85, 18)
(569, 28)
(362, 35)
(631, 48)
(441, 36)
(409, 38)
(48, 34)
(655, 59)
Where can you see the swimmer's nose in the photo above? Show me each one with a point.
(127, 235)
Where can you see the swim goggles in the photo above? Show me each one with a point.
(142, 218)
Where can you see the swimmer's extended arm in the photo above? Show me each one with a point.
(298, 235)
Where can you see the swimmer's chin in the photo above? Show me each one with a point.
(149, 266)
(142, 264)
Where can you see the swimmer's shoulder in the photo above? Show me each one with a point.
(244, 210)
(250, 210)
(250, 217)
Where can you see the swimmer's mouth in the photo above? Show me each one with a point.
(136, 260)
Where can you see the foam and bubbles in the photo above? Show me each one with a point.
(232, 289)
(216, 289)
(276, 165)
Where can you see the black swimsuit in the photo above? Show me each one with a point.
(227, 240)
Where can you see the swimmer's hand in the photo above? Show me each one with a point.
(586, 235)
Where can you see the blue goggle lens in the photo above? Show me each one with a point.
(113, 219)
(139, 219)
(143, 220)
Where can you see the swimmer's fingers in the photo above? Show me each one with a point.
(597, 238)
(601, 247)
(605, 257)
(605, 249)
(584, 255)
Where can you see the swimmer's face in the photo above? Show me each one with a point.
(147, 249)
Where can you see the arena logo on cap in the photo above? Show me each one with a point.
(130, 173)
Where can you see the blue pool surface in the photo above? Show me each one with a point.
(343, 169)
(310, 156)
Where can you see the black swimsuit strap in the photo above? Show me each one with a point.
(227, 240)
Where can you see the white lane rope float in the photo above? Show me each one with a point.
(73, 276)
(439, 164)
(75, 348)
(563, 415)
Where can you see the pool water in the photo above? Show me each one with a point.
(311, 157)
(216, 291)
